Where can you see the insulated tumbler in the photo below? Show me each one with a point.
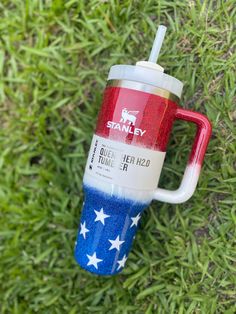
(126, 156)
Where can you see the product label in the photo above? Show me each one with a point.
(123, 164)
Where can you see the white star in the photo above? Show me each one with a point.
(101, 216)
(83, 230)
(135, 220)
(122, 262)
(93, 260)
(115, 244)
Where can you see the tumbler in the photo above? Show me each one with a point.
(126, 156)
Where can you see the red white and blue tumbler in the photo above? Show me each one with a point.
(126, 156)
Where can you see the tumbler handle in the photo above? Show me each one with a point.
(193, 168)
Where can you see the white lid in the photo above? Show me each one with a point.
(149, 72)
(145, 75)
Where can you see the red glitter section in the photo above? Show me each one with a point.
(155, 116)
(203, 133)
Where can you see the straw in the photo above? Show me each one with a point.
(160, 34)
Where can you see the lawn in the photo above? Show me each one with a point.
(54, 60)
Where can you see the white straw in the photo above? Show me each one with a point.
(160, 34)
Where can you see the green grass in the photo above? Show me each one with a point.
(54, 60)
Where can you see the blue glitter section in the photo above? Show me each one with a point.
(97, 238)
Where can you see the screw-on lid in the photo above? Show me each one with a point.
(148, 71)
(145, 75)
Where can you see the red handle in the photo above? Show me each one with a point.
(202, 136)
(192, 171)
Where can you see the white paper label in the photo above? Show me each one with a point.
(123, 164)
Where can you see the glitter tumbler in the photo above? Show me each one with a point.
(126, 156)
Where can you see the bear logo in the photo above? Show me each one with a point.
(128, 116)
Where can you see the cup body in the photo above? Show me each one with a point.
(122, 171)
